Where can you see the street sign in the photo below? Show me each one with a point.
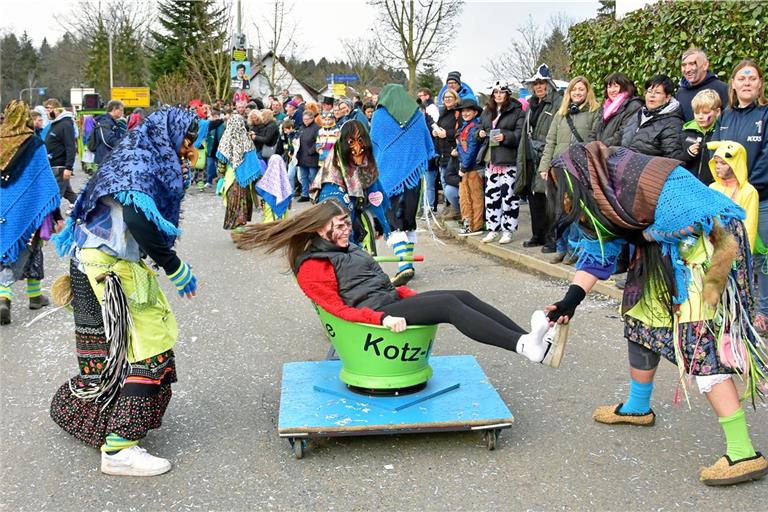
(342, 78)
(132, 96)
(339, 90)
(41, 91)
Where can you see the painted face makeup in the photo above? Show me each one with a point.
(339, 230)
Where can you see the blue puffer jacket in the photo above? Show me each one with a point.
(108, 133)
(747, 127)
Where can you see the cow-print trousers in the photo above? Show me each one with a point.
(502, 207)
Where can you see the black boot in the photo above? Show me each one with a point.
(5, 311)
(38, 302)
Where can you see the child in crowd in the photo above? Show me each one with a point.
(327, 136)
(471, 195)
(288, 136)
(729, 170)
(698, 132)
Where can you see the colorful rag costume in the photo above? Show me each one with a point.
(703, 322)
(243, 166)
(402, 146)
(355, 186)
(29, 198)
(125, 330)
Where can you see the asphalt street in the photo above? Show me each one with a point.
(220, 430)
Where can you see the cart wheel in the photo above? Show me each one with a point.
(491, 437)
(298, 445)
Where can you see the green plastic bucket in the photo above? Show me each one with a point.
(373, 357)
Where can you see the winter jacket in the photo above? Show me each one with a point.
(307, 155)
(697, 164)
(266, 134)
(467, 144)
(108, 134)
(60, 141)
(747, 126)
(510, 123)
(560, 135)
(527, 164)
(745, 194)
(449, 120)
(610, 131)
(658, 135)
(686, 92)
(215, 131)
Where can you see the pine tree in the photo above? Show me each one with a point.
(607, 9)
(555, 53)
(185, 24)
(429, 78)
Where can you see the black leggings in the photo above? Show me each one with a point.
(473, 317)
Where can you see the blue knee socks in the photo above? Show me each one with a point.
(639, 401)
(404, 250)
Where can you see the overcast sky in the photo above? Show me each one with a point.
(485, 27)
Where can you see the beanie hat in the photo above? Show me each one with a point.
(294, 103)
(502, 85)
(455, 76)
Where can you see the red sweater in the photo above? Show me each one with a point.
(317, 280)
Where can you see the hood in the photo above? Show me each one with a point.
(733, 153)
(672, 106)
(64, 115)
(710, 76)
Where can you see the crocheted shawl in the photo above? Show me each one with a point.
(14, 131)
(25, 202)
(402, 149)
(652, 194)
(237, 150)
(144, 170)
(353, 180)
(274, 186)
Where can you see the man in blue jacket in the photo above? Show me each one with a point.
(697, 77)
(108, 131)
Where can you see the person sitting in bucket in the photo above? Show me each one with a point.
(347, 282)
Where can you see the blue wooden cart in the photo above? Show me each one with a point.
(314, 403)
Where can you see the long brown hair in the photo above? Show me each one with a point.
(293, 234)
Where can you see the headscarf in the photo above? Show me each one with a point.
(237, 150)
(144, 170)
(14, 132)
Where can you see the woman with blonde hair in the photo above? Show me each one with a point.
(574, 121)
(265, 134)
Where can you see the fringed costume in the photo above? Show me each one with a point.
(403, 147)
(125, 330)
(29, 201)
(688, 296)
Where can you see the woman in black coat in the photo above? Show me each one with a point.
(445, 143)
(501, 126)
(621, 103)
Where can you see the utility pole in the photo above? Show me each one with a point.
(111, 83)
(239, 18)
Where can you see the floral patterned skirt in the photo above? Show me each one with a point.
(145, 393)
(239, 206)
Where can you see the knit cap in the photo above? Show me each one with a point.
(455, 76)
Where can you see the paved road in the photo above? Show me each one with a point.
(220, 429)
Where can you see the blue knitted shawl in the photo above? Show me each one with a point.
(24, 203)
(144, 170)
(402, 153)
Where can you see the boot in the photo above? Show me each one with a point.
(38, 302)
(5, 311)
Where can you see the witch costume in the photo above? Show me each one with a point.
(242, 167)
(29, 207)
(402, 147)
(125, 330)
(688, 296)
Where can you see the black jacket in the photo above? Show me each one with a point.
(659, 135)
(307, 154)
(697, 164)
(511, 125)
(449, 120)
(610, 132)
(60, 143)
(266, 134)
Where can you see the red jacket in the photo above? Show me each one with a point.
(317, 280)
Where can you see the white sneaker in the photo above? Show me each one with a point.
(490, 237)
(555, 339)
(133, 461)
(506, 238)
(532, 345)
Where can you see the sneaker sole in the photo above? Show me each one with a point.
(559, 349)
(120, 471)
(754, 475)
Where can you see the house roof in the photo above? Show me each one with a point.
(257, 69)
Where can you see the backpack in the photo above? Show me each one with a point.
(92, 142)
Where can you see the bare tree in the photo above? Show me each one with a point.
(414, 31)
(276, 36)
(363, 56)
(208, 63)
(521, 59)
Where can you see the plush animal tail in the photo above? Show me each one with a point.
(726, 249)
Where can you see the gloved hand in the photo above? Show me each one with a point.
(566, 307)
(185, 281)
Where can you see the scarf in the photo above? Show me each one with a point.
(14, 131)
(536, 107)
(144, 170)
(402, 150)
(610, 107)
(652, 194)
(237, 150)
(274, 186)
(353, 179)
(26, 202)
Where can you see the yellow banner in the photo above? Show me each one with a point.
(339, 89)
(132, 96)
